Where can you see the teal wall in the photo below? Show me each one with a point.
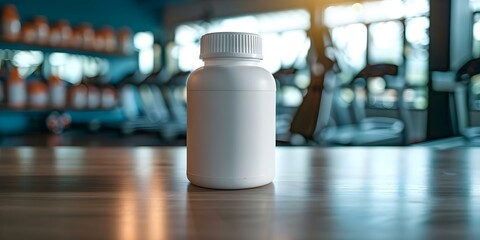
(136, 14)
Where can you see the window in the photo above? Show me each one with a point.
(278, 30)
(388, 31)
(143, 41)
(285, 46)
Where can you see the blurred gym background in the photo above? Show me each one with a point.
(113, 73)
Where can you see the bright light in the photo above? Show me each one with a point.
(143, 162)
(283, 21)
(72, 71)
(416, 31)
(347, 95)
(292, 97)
(388, 34)
(91, 68)
(283, 33)
(351, 40)
(271, 52)
(58, 59)
(383, 10)
(295, 40)
(27, 58)
(369, 12)
(302, 79)
(143, 40)
(145, 61)
(386, 42)
(420, 102)
(239, 24)
(185, 34)
(416, 7)
(357, 7)
(188, 57)
(67, 67)
(476, 84)
(72, 68)
(341, 15)
(476, 31)
(475, 5)
(376, 85)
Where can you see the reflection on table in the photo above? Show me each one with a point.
(142, 193)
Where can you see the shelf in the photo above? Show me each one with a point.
(6, 109)
(99, 115)
(77, 115)
(18, 121)
(49, 49)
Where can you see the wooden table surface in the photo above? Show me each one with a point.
(329, 193)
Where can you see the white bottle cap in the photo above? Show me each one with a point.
(231, 44)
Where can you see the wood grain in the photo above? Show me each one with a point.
(319, 193)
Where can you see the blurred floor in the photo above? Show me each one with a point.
(82, 138)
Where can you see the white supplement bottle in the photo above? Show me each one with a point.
(231, 114)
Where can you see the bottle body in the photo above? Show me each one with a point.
(231, 126)
(17, 90)
(57, 92)
(38, 94)
(10, 23)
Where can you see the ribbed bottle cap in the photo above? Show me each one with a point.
(231, 44)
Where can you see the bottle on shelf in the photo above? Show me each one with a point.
(37, 90)
(61, 34)
(109, 97)
(88, 36)
(99, 43)
(37, 94)
(65, 33)
(16, 93)
(28, 33)
(76, 41)
(125, 44)
(10, 23)
(57, 92)
(42, 29)
(105, 40)
(110, 39)
(93, 97)
(55, 38)
(77, 96)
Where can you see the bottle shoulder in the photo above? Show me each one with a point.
(231, 78)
